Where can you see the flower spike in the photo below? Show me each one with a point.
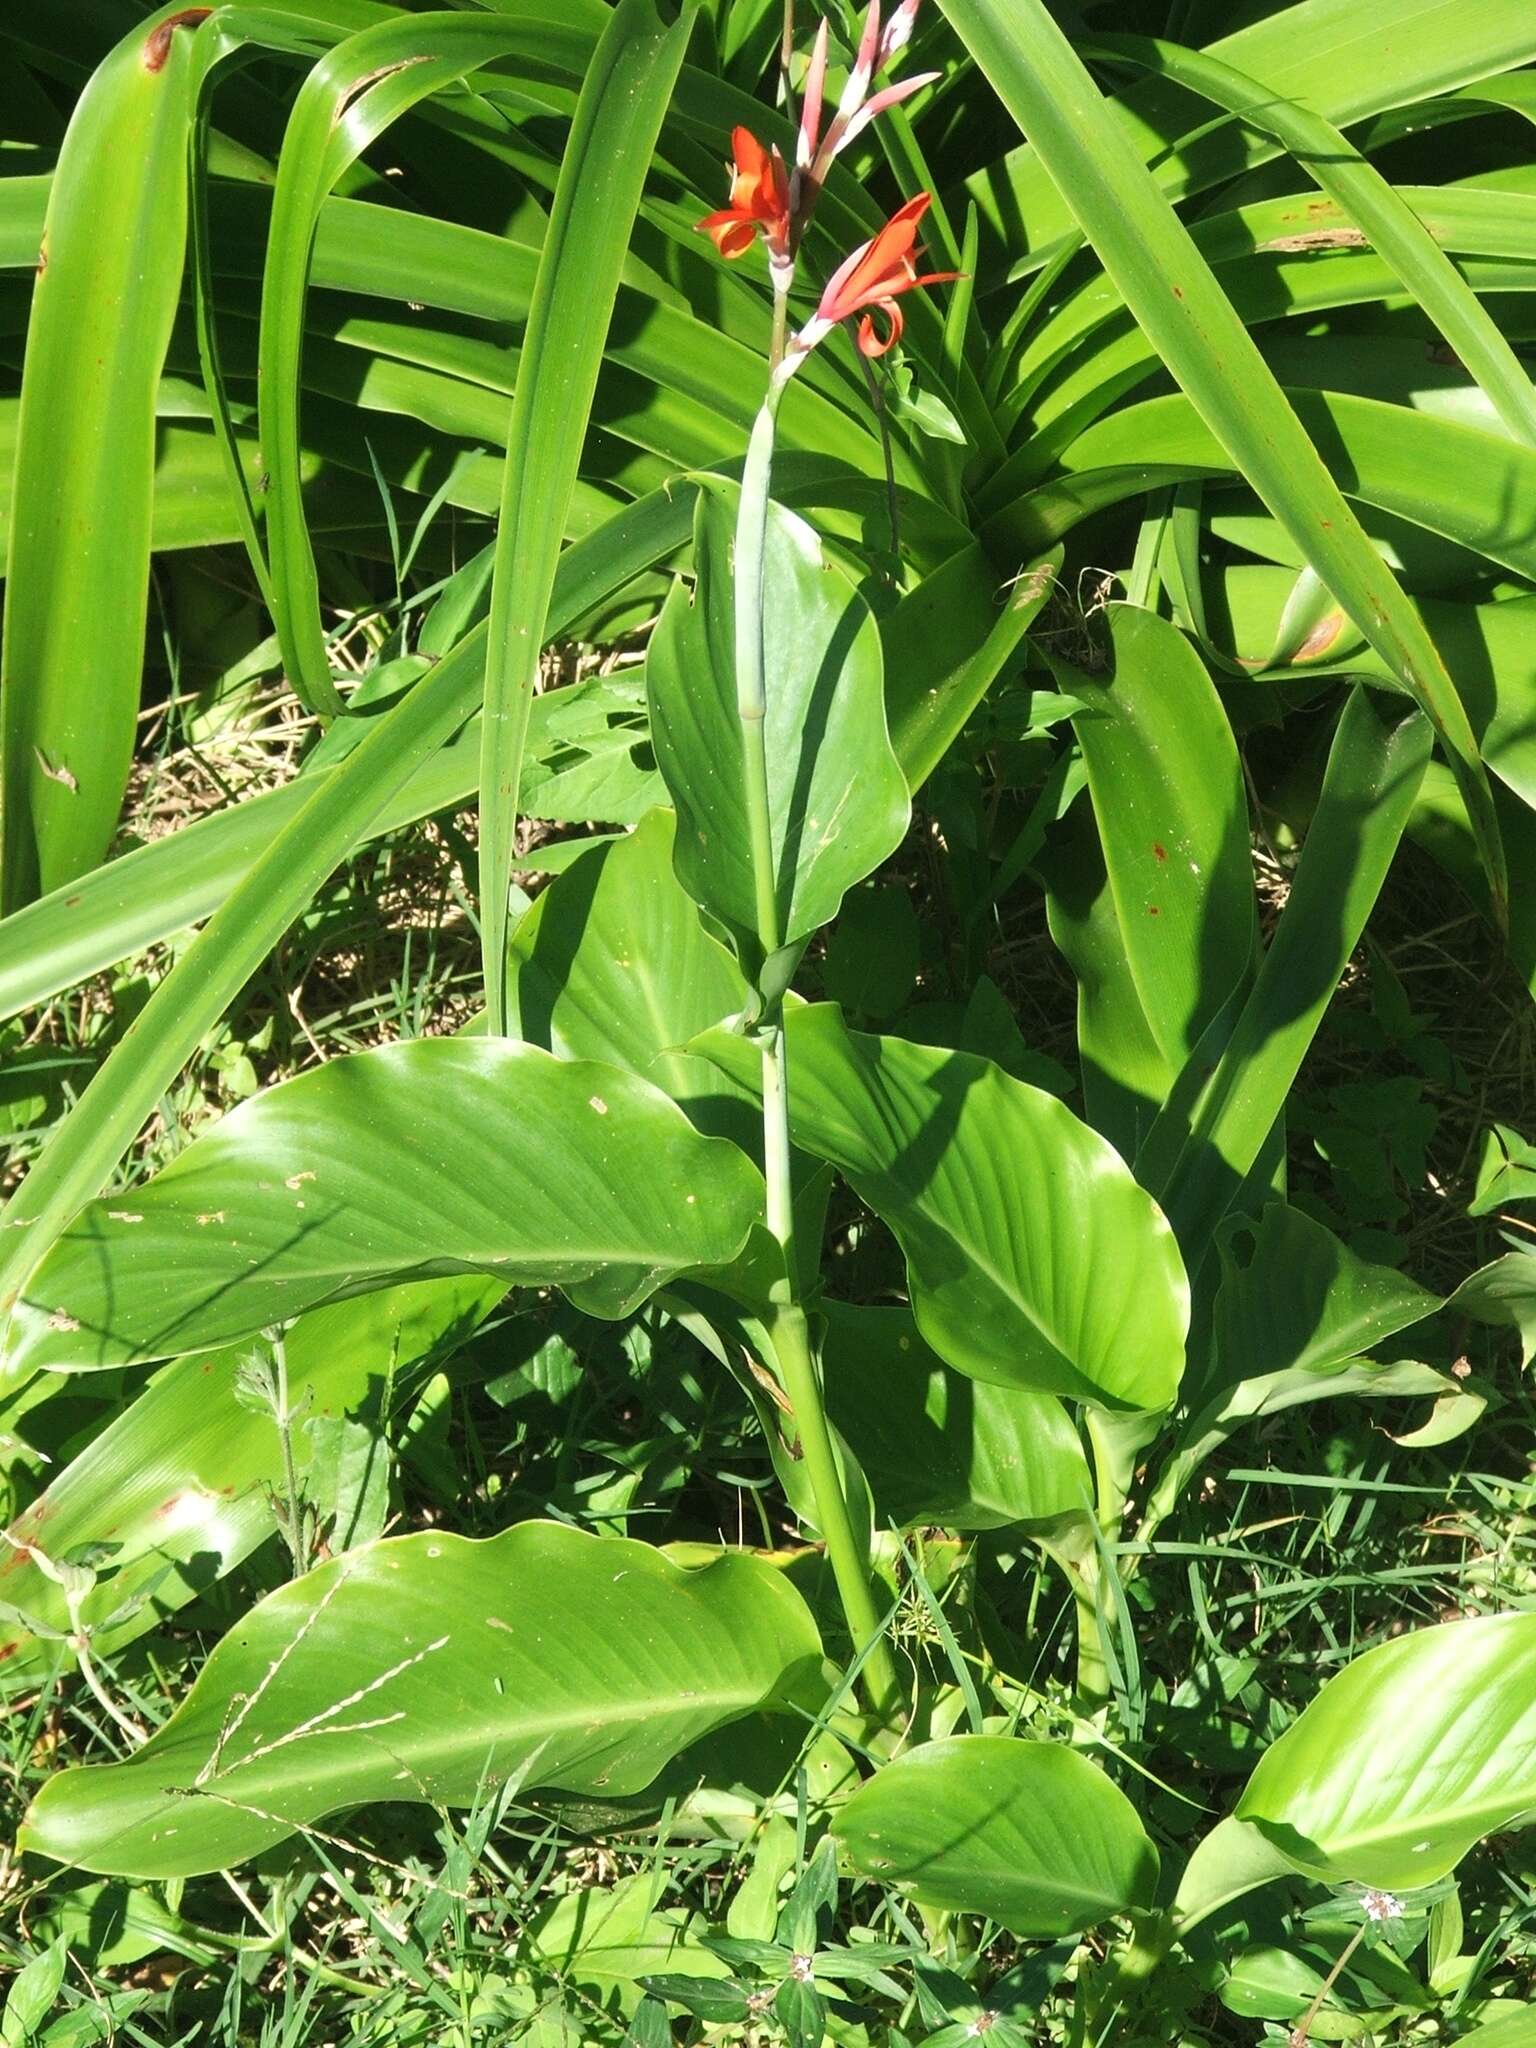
(870, 282)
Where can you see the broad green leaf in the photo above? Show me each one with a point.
(431, 1157)
(177, 1482)
(109, 276)
(1206, 348)
(1406, 1758)
(613, 962)
(1168, 794)
(445, 1667)
(837, 794)
(1030, 1834)
(1511, 2028)
(1126, 1078)
(32, 1995)
(1198, 1156)
(1490, 648)
(1034, 1259)
(617, 1936)
(1262, 1982)
(1506, 1172)
(936, 1446)
(602, 175)
(1295, 1297)
(945, 644)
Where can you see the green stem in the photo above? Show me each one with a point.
(787, 1326)
(850, 1564)
(1094, 1618)
(751, 685)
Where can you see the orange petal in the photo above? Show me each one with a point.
(731, 233)
(870, 341)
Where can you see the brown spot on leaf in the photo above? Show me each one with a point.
(1314, 238)
(158, 46)
(1159, 851)
(1323, 636)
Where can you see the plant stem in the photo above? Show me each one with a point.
(88, 1672)
(294, 1529)
(788, 1331)
(850, 1563)
(786, 51)
(751, 688)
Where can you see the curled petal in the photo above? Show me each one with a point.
(732, 233)
(871, 342)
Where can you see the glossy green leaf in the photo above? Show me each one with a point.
(1197, 1157)
(1474, 487)
(1506, 1173)
(1374, 206)
(1030, 1834)
(444, 1667)
(945, 644)
(838, 798)
(617, 1936)
(1323, 53)
(177, 1482)
(1126, 1077)
(1210, 353)
(1406, 1758)
(1172, 811)
(1294, 1296)
(1033, 1257)
(602, 174)
(109, 276)
(613, 962)
(936, 1446)
(433, 1156)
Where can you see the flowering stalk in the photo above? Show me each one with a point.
(788, 1330)
(766, 200)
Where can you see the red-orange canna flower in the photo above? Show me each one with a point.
(873, 278)
(759, 199)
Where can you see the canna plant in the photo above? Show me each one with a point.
(847, 500)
